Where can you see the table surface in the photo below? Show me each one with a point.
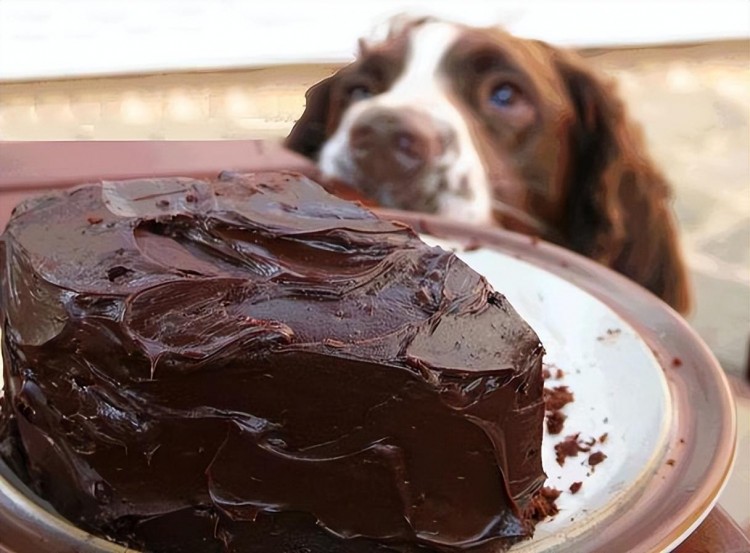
(28, 168)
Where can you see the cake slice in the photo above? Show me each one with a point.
(250, 364)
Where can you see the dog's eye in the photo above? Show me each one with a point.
(504, 95)
(359, 92)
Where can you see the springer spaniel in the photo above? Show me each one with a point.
(481, 126)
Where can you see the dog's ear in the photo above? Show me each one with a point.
(618, 204)
(311, 129)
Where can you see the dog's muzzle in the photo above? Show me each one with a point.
(398, 149)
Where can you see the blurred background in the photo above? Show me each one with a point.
(229, 69)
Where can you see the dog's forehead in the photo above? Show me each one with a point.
(405, 34)
(432, 41)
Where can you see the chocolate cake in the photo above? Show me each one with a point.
(252, 365)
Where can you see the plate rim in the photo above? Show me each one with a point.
(703, 447)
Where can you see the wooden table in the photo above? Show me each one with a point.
(718, 533)
(28, 168)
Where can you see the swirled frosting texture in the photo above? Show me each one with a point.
(250, 364)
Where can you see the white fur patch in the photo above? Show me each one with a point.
(423, 87)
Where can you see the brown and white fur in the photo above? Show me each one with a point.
(484, 127)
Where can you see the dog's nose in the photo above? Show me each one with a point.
(392, 144)
(388, 132)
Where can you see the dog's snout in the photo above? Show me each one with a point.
(396, 143)
(390, 131)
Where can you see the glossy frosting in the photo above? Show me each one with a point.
(250, 364)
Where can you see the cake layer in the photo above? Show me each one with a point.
(265, 365)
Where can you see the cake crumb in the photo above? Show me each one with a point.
(570, 447)
(190, 198)
(611, 333)
(596, 458)
(543, 504)
(603, 437)
(676, 362)
(559, 374)
(555, 422)
(575, 486)
(671, 462)
(557, 398)
(546, 374)
(94, 220)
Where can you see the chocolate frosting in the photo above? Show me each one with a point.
(250, 364)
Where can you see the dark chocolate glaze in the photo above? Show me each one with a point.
(250, 364)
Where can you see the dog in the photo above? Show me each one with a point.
(481, 126)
